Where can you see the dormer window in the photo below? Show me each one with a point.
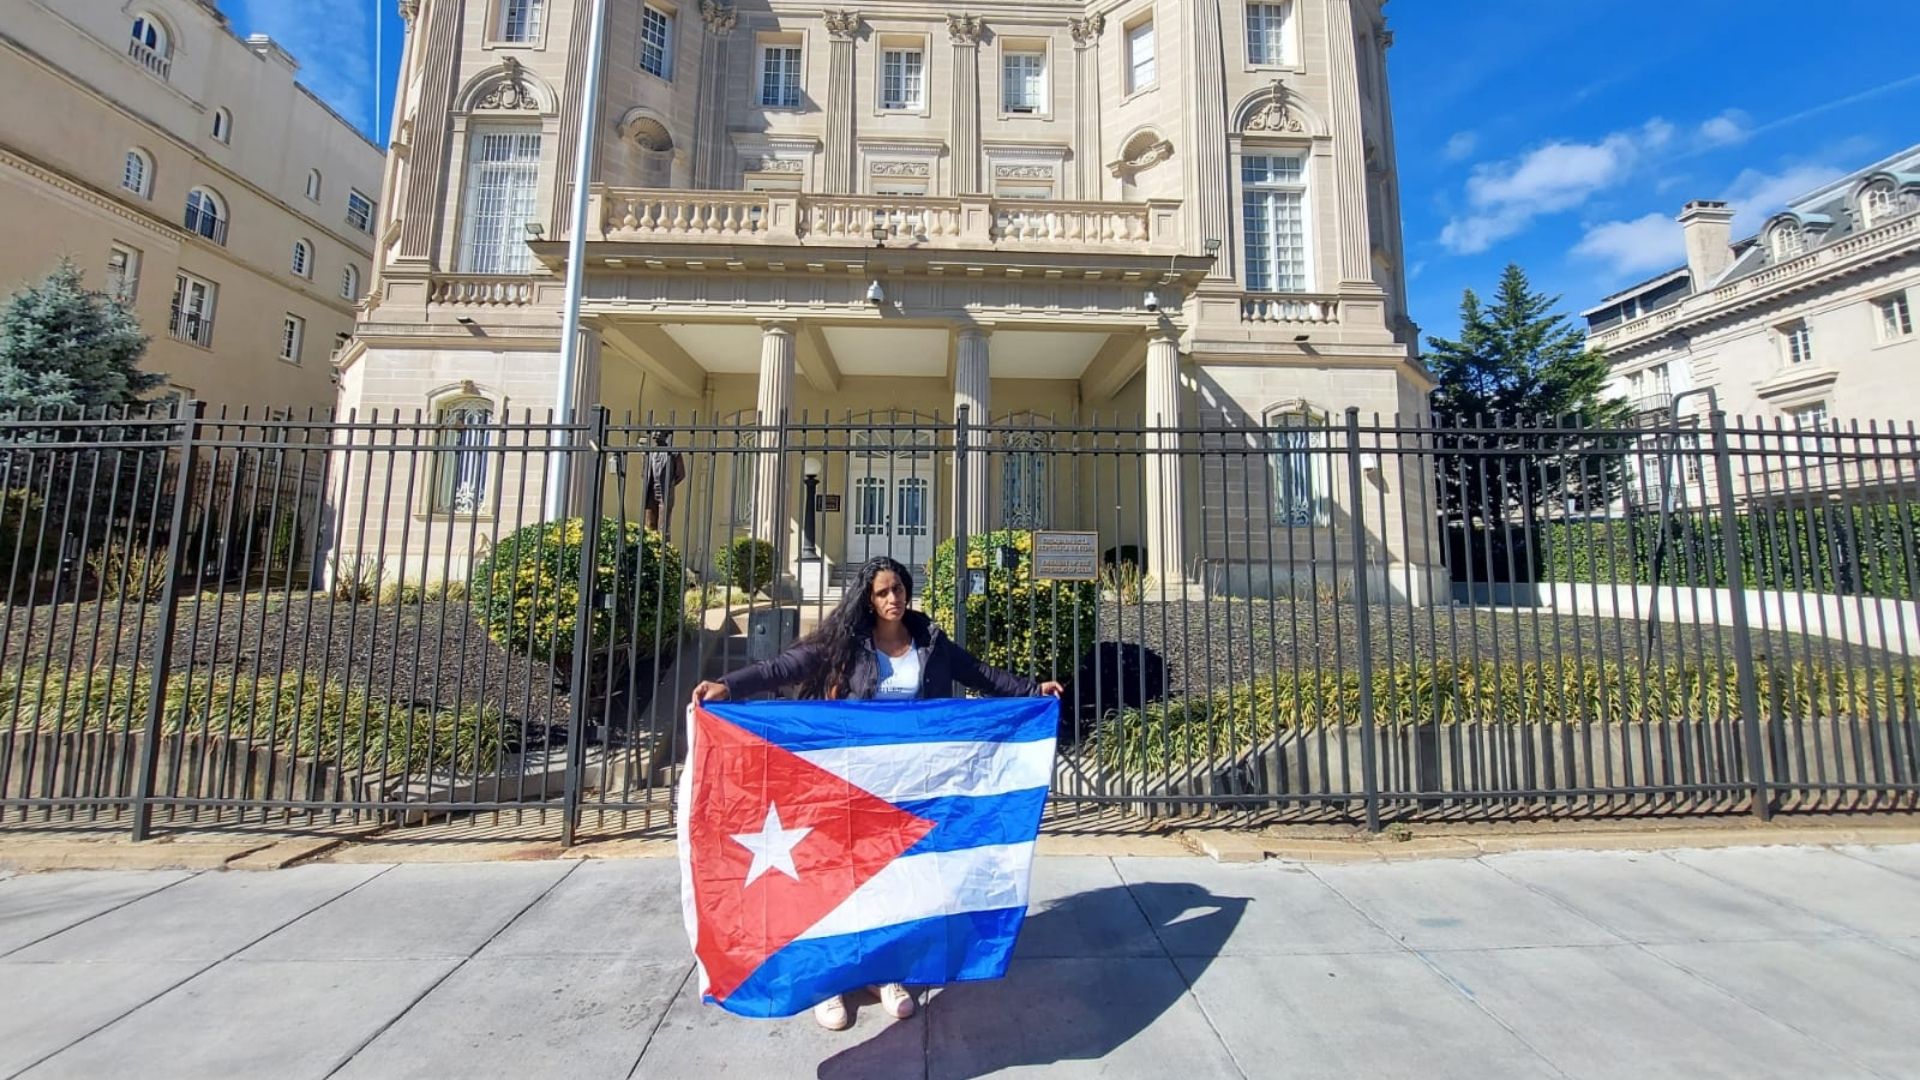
(1788, 240)
(1881, 202)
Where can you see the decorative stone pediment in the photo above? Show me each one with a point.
(773, 165)
(509, 88)
(918, 169)
(1142, 152)
(1277, 110)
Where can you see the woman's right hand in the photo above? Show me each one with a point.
(710, 691)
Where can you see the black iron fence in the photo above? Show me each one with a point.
(217, 619)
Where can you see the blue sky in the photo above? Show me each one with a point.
(1563, 136)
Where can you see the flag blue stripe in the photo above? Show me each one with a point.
(943, 949)
(967, 821)
(824, 725)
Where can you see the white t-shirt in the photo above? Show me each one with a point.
(899, 676)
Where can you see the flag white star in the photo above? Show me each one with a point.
(772, 846)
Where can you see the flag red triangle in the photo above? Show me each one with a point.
(851, 835)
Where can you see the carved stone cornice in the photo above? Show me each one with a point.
(842, 25)
(1087, 31)
(720, 18)
(409, 10)
(1276, 115)
(966, 29)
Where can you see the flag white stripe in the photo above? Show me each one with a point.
(936, 883)
(934, 770)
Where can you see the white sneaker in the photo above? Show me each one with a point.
(895, 999)
(832, 1014)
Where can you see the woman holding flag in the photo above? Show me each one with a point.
(873, 646)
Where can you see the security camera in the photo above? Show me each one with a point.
(875, 294)
(1153, 300)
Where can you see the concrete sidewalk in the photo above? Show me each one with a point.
(1753, 962)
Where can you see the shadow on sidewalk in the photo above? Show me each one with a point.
(1054, 1009)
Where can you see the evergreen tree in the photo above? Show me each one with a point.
(63, 347)
(1522, 409)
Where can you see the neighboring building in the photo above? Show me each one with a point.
(185, 170)
(1810, 323)
(1172, 210)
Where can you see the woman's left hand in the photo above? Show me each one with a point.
(1053, 689)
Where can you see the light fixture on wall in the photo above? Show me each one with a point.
(464, 320)
(1213, 247)
(875, 294)
(881, 230)
(1302, 339)
(535, 230)
(1152, 300)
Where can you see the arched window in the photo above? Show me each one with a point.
(350, 283)
(137, 175)
(460, 480)
(1881, 202)
(313, 184)
(302, 259)
(206, 215)
(223, 125)
(1299, 474)
(1787, 241)
(150, 46)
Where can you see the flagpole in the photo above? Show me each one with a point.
(379, 54)
(565, 380)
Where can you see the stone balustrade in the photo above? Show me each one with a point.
(910, 222)
(1304, 309)
(480, 290)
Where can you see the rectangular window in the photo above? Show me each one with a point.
(520, 20)
(1796, 342)
(1141, 69)
(191, 317)
(503, 192)
(1024, 81)
(1809, 417)
(293, 335)
(1275, 207)
(123, 274)
(902, 79)
(656, 42)
(1270, 33)
(360, 211)
(780, 76)
(1895, 317)
(460, 481)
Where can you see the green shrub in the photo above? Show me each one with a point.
(20, 527)
(1220, 725)
(130, 571)
(1036, 628)
(748, 564)
(1124, 582)
(357, 578)
(528, 589)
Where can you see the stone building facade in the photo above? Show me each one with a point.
(1171, 211)
(187, 171)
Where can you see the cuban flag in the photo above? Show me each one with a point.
(826, 846)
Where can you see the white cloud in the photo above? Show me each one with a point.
(1728, 128)
(1639, 246)
(1507, 196)
(1461, 146)
(1756, 195)
(332, 39)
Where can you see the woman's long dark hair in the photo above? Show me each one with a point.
(844, 636)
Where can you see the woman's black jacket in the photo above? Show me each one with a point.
(942, 663)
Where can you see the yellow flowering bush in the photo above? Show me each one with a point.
(1036, 628)
(528, 589)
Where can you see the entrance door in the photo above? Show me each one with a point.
(891, 492)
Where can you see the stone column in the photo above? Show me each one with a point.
(963, 149)
(1087, 151)
(1349, 148)
(973, 387)
(561, 222)
(709, 157)
(432, 130)
(1210, 189)
(843, 30)
(776, 396)
(1165, 508)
